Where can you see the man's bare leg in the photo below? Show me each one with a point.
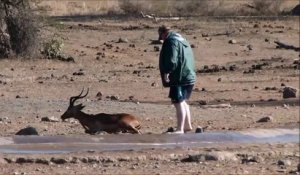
(181, 115)
(188, 124)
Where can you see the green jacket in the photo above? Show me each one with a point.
(177, 59)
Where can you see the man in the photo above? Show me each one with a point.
(177, 70)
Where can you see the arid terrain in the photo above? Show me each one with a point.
(237, 63)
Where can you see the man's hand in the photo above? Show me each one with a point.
(166, 78)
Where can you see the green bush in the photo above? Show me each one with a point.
(52, 49)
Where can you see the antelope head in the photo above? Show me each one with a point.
(73, 110)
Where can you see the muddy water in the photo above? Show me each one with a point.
(67, 144)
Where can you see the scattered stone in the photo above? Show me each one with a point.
(123, 40)
(250, 47)
(252, 159)
(58, 160)
(208, 39)
(270, 88)
(99, 95)
(27, 131)
(199, 129)
(154, 84)
(289, 92)
(78, 73)
(42, 161)
(284, 162)
(282, 84)
(193, 46)
(265, 119)
(202, 102)
(24, 160)
(50, 119)
(170, 129)
(18, 96)
(213, 156)
(267, 40)
(219, 79)
(204, 35)
(156, 48)
(232, 41)
(114, 97)
(256, 26)
(285, 106)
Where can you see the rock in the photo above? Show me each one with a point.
(213, 156)
(27, 131)
(199, 129)
(298, 167)
(204, 35)
(202, 102)
(193, 46)
(250, 47)
(252, 159)
(208, 39)
(50, 119)
(123, 40)
(114, 97)
(232, 41)
(42, 161)
(58, 160)
(24, 160)
(170, 129)
(156, 48)
(219, 79)
(265, 119)
(99, 95)
(256, 26)
(154, 84)
(289, 92)
(284, 162)
(267, 40)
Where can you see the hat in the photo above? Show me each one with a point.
(163, 29)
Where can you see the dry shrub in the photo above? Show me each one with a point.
(52, 49)
(267, 7)
(21, 25)
(130, 7)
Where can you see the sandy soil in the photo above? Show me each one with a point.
(33, 89)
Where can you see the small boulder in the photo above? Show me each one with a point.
(289, 92)
(265, 119)
(156, 48)
(27, 131)
(284, 162)
(199, 129)
(50, 119)
(232, 41)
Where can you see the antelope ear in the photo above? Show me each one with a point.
(80, 106)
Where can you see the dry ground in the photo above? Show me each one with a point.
(37, 88)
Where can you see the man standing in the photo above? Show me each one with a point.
(177, 70)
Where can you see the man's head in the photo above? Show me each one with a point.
(163, 32)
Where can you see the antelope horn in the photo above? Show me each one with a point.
(74, 98)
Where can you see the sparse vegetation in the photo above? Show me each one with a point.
(52, 48)
(267, 7)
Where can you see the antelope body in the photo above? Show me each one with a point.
(94, 123)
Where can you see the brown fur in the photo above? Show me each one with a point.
(111, 123)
